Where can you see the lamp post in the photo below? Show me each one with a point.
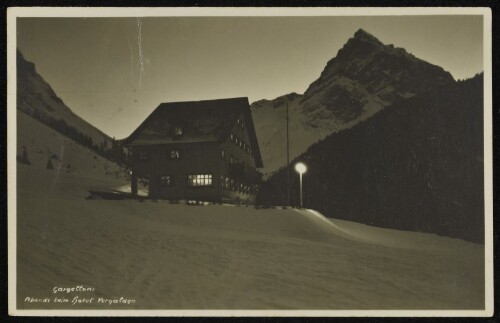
(301, 169)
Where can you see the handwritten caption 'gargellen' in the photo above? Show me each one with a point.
(78, 295)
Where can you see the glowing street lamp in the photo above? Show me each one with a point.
(301, 169)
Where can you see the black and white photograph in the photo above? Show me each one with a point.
(250, 161)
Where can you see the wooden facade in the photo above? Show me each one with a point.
(201, 150)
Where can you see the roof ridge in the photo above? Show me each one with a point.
(204, 117)
(211, 100)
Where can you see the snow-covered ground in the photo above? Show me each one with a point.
(174, 256)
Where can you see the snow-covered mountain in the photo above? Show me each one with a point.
(36, 98)
(364, 77)
(50, 136)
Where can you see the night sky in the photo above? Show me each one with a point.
(114, 71)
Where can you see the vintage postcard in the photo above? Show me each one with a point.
(250, 162)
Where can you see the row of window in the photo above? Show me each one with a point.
(200, 180)
(204, 180)
(193, 180)
(175, 154)
(238, 142)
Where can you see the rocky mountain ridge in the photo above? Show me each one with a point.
(36, 98)
(364, 77)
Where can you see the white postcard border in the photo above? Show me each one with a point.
(14, 12)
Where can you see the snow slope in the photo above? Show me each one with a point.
(174, 256)
(36, 97)
(305, 128)
(43, 143)
(270, 127)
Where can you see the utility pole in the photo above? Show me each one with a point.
(287, 158)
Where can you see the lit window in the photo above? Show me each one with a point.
(232, 160)
(200, 180)
(143, 155)
(240, 143)
(232, 137)
(238, 121)
(166, 180)
(175, 154)
(222, 154)
(178, 131)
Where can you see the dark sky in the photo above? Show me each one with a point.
(114, 71)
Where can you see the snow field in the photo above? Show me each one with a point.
(43, 143)
(173, 256)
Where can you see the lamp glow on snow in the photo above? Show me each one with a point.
(301, 168)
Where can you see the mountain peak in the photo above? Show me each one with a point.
(361, 34)
(366, 65)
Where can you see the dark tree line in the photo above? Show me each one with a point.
(416, 165)
(29, 95)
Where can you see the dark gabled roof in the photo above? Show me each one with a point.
(201, 121)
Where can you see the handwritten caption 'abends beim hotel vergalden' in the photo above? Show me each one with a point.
(78, 295)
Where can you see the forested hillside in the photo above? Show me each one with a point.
(417, 165)
(36, 98)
